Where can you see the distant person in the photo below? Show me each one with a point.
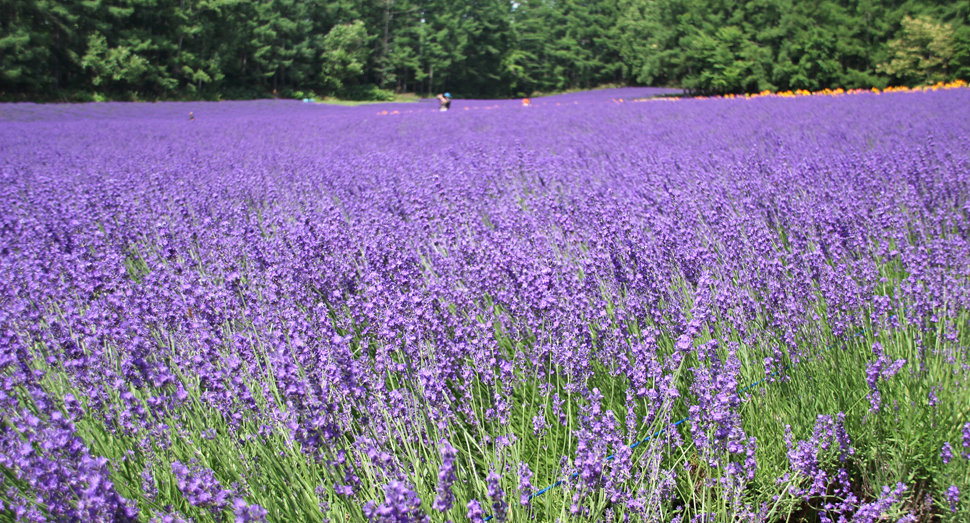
(526, 102)
(444, 102)
(191, 116)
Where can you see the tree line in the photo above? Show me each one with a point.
(369, 49)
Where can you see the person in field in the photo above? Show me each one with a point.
(526, 102)
(444, 102)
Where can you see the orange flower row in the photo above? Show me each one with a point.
(956, 84)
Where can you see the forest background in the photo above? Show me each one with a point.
(81, 50)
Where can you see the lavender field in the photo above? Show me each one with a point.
(586, 310)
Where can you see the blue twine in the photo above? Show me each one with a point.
(574, 475)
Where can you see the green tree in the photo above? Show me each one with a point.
(128, 45)
(810, 61)
(112, 64)
(725, 62)
(345, 51)
(241, 48)
(921, 52)
(38, 46)
(484, 38)
(568, 43)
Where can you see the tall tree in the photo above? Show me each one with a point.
(345, 50)
(137, 49)
(922, 51)
(38, 42)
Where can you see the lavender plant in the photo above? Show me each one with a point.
(705, 310)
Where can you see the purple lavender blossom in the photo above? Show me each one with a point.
(953, 497)
(475, 514)
(966, 441)
(539, 424)
(497, 495)
(200, 486)
(341, 280)
(175, 517)
(947, 453)
(873, 512)
(525, 484)
(880, 368)
(809, 457)
(148, 486)
(446, 477)
(246, 513)
(401, 505)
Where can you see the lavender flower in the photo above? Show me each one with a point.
(525, 484)
(966, 441)
(953, 497)
(175, 517)
(246, 513)
(401, 505)
(200, 486)
(149, 488)
(809, 458)
(539, 424)
(475, 514)
(497, 495)
(446, 477)
(873, 512)
(880, 368)
(947, 453)
(353, 286)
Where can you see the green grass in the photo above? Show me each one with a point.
(398, 98)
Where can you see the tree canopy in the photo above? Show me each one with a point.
(178, 49)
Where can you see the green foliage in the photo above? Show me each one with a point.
(565, 45)
(719, 46)
(725, 62)
(344, 53)
(38, 42)
(205, 49)
(367, 93)
(117, 64)
(811, 61)
(922, 51)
